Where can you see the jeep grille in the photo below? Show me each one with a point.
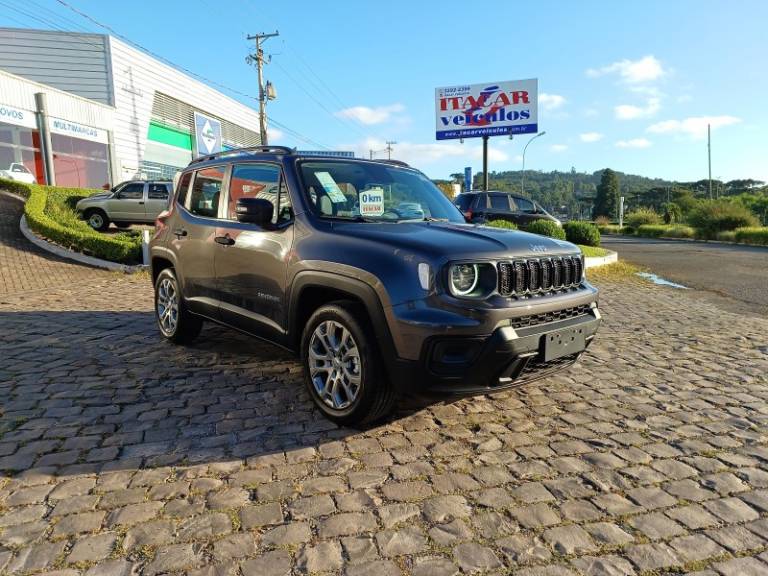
(539, 275)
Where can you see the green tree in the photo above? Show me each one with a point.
(607, 198)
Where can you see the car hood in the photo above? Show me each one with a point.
(102, 196)
(456, 241)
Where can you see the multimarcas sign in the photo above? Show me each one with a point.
(488, 109)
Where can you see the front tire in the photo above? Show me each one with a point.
(176, 323)
(97, 219)
(342, 367)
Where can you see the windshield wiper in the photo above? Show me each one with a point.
(433, 219)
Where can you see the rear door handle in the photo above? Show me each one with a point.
(225, 240)
(179, 232)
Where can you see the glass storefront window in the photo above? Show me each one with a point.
(80, 163)
(21, 145)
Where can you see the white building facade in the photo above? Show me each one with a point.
(108, 112)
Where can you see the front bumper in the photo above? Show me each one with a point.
(509, 356)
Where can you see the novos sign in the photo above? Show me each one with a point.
(490, 109)
(207, 135)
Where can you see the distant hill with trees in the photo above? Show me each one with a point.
(573, 193)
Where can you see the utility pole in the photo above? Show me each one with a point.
(258, 58)
(709, 157)
(389, 149)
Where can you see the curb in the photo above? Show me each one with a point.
(594, 261)
(689, 240)
(69, 254)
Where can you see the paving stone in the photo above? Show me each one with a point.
(695, 547)
(229, 498)
(261, 515)
(134, 514)
(473, 557)
(603, 566)
(377, 567)
(606, 533)
(741, 567)
(22, 515)
(78, 523)
(153, 533)
(287, 534)
(407, 491)
(445, 508)
(171, 558)
(359, 548)
(724, 483)
(434, 566)
(120, 567)
(234, 546)
(535, 516)
(657, 526)
(737, 539)
(493, 524)
(206, 526)
(92, 548)
(323, 557)
(524, 549)
(652, 556)
(347, 524)
(399, 542)
(693, 517)
(651, 498)
(450, 533)
(395, 514)
(579, 511)
(731, 510)
(36, 558)
(566, 540)
(275, 563)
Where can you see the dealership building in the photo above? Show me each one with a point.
(88, 110)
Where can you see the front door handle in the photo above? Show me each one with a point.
(225, 240)
(179, 232)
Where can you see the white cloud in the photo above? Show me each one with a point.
(645, 69)
(634, 143)
(591, 112)
(591, 136)
(695, 127)
(630, 112)
(274, 134)
(367, 115)
(558, 147)
(551, 101)
(683, 98)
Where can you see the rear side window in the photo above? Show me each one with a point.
(206, 192)
(158, 192)
(464, 201)
(523, 205)
(499, 202)
(131, 192)
(183, 188)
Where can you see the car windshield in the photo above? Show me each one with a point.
(374, 192)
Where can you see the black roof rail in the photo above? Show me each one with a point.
(264, 148)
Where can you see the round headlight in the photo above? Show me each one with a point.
(463, 279)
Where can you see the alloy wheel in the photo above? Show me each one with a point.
(334, 364)
(167, 305)
(96, 220)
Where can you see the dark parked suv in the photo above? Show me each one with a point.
(370, 274)
(481, 207)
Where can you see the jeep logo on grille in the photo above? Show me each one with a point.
(537, 247)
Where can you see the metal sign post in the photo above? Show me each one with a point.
(485, 163)
(621, 211)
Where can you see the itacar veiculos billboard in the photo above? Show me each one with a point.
(489, 109)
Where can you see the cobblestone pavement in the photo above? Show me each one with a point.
(123, 454)
(23, 266)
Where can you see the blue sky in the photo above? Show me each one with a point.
(625, 85)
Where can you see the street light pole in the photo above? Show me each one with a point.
(522, 186)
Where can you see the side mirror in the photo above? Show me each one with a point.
(257, 211)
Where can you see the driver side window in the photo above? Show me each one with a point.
(131, 192)
(260, 181)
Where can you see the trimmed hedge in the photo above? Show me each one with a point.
(580, 232)
(665, 230)
(752, 235)
(50, 213)
(502, 224)
(611, 229)
(546, 228)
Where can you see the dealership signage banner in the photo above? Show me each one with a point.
(75, 130)
(489, 109)
(207, 135)
(17, 116)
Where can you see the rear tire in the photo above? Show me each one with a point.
(175, 322)
(343, 370)
(97, 219)
(122, 225)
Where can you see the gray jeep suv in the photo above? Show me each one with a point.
(319, 256)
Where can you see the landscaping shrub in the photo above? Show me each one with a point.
(580, 232)
(501, 224)
(546, 228)
(727, 236)
(711, 217)
(642, 216)
(672, 213)
(611, 229)
(666, 231)
(49, 213)
(752, 235)
(602, 221)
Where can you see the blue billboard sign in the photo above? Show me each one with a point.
(207, 135)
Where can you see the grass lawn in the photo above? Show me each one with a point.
(592, 251)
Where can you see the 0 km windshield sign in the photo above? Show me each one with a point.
(489, 109)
